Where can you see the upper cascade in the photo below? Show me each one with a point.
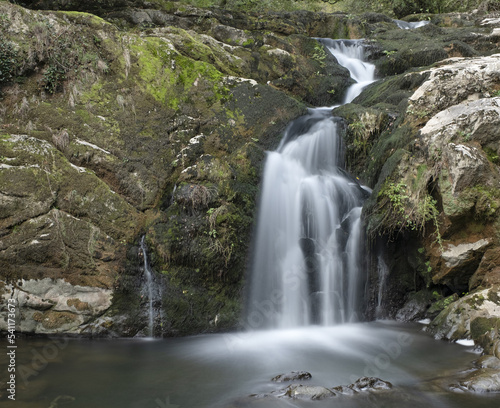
(351, 54)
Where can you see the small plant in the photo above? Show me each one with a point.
(466, 136)
(405, 213)
(8, 60)
(390, 54)
(53, 78)
(319, 54)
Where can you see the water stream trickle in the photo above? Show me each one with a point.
(307, 265)
(148, 274)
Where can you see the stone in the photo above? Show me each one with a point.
(55, 306)
(370, 384)
(488, 361)
(292, 376)
(488, 272)
(460, 263)
(482, 381)
(344, 390)
(312, 392)
(469, 317)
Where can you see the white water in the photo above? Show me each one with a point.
(307, 265)
(350, 54)
(148, 274)
(409, 26)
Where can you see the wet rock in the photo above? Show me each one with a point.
(313, 392)
(488, 361)
(415, 307)
(292, 376)
(472, 316)
(481, 381)
(370, 384)
(344, 390)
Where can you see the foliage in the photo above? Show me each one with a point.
(8, 56)
(53, 78)
(403, 212)
(319, 54)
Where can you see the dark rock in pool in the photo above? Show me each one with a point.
(313, 392)
(370, 384)
(292, 376)
(344, 390)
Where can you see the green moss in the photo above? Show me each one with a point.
(171, 78)
(492, 155)
(83, 18)
(482, 325)
(442, 304)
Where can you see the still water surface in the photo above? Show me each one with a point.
(223, 370)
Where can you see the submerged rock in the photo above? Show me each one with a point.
(344, 390)
(292, 376)
(370, 384)
(313, 392)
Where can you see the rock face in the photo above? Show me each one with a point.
(55, 306)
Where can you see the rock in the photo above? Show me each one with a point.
(312, 392)
(488, 272)
(292, 376)
(481, 381)
(416, 306)
(370, 384)
(472, 316)
(55, 306)
(344, 390)
(460, 262)
(488, 361)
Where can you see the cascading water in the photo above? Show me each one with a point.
(149, 286)
(350, 54)
(308, 249)
(410, 26)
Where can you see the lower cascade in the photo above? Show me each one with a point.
(307, 266)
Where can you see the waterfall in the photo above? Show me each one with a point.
(149, 286)
(307, 265)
